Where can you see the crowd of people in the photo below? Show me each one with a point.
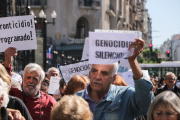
(103, 95)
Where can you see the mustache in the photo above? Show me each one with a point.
(30, 84)
(97, 82)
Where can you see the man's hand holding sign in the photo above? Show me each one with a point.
(138, 46)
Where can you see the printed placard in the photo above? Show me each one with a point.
(54, 85)
(18, 32)
(107, 48)
(68, 71)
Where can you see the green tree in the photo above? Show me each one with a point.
(149, 57)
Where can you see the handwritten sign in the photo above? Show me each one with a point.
(107, 47)
(68, 71)
(54, 85)
(18, 32)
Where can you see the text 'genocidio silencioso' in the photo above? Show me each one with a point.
(111, 44)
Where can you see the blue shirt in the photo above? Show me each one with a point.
(122, 102)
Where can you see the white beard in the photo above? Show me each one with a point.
(31, 92)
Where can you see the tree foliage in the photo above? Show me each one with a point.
(149, 57)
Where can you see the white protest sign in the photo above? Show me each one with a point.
(123, 67)
(107, 48)
(128, 77)
(54, 85)
(18, 32)
(85, 54)
(68, 71)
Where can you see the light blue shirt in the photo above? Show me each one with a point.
(123, 102)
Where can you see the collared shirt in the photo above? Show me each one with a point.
(91, 103)
(171, 89)
(123, 102)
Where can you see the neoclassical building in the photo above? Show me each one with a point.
(75, 18)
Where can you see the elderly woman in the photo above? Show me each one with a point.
(165, 106)
(76, 83)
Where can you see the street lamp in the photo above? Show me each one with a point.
(43, 23)
(53, 16)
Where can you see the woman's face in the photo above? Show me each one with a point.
(163, 113)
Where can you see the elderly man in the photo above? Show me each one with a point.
(110, 102)
(53, 72)
(170, 80)
(38, 103)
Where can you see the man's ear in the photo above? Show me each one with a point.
(114, 77)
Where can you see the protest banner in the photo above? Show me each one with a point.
(18, 32)
(68, 71)
(54, 85)
(109, 47)
(128, 77)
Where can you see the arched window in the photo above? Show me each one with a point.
(82, 28)
(88, 3)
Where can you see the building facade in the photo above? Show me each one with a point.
(75, 18)
(172, 45)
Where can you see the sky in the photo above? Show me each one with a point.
(165, 15)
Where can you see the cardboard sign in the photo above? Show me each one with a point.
(68, 71)
(107, 47)
(18, 32)
(128, 77)
(54, 85)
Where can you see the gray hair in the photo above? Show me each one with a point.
(52, 68)
(167, 99)
(115, 68)
(34, 67)
(171, 74)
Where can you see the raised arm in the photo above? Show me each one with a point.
(136, 69)
(9, 53)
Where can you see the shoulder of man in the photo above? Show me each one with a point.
(15, 92)
(159, 90)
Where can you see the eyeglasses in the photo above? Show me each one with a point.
(170, 79)
(44, 84)
(167, 114)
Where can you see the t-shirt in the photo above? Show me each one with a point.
(42, 104)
